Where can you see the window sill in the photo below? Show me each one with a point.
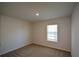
(52, 40)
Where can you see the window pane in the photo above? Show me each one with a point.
(52, 32)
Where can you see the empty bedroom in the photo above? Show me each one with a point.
(39, 29)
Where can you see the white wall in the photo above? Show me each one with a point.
(15, 34)
(64, 31)
(75, 32)
(0, 33)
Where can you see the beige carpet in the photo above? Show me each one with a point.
(37, 51)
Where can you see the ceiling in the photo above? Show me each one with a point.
(46, 10)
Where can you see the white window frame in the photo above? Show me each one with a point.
(56, 39)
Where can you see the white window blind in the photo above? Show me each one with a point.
(52, 32)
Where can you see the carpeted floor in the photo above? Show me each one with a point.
(37, 51)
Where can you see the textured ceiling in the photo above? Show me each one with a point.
(27, 10)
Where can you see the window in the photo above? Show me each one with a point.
(52, 33)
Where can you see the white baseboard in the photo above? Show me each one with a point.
(14, 49)
(32, 43)
(51, 47)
